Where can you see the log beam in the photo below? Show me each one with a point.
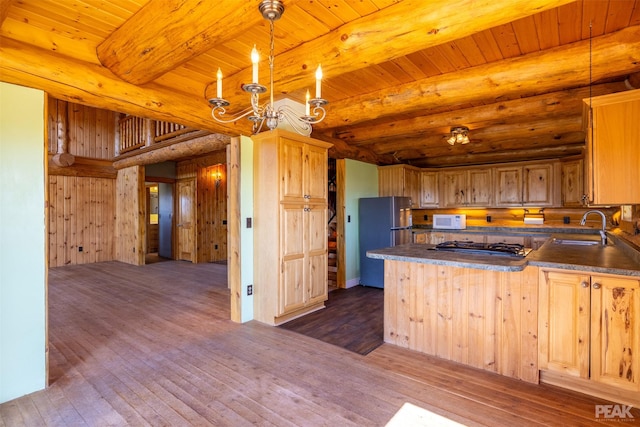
(366, 41)
(521, 110)
(83, 166)
(170, 151)
(468, 159)
(89, 84)
(165, 34)
(509, 78)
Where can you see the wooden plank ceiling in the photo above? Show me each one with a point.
(398, 73)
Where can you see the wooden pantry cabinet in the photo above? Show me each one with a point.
(290, 226)
(613, 148)
(589, 329)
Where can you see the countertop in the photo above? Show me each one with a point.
(614, 258)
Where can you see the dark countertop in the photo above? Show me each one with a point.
(614, 258)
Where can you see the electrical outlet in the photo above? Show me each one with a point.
(250, 290)
(426, 217)
(215, 246)
(80, 248)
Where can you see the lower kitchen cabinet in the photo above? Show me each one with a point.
(589, 326)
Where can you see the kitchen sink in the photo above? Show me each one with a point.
(576, 242)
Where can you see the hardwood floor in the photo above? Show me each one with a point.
(153, 346)
(352, 319)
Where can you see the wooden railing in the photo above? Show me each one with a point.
(137, 132)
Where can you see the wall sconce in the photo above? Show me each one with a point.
(218, 178)
(459, 134)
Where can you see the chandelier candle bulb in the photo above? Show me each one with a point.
(318, 82)
(219, 84)
(307, 108)
(255, 58)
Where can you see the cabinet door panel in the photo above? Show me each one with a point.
(429, 189)
(316, 187)
(616, 331)
(537, 189)
(292, 226)
(508, 186)
(292, 286)
(564, 323)
(480, 189)
(572, 183)
(454, 187)
(317, 277)
(291, 169)
(316, 229)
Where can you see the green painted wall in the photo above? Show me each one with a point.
(22, 237)
(361, 180)
(246, 234)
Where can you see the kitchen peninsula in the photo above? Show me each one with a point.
(526, 318)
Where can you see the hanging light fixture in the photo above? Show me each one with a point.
(271, 10)
(459, 134)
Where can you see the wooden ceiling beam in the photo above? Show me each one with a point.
(165, 34)
(526, 154)
(612, 54)
(551, 105)
(517, 133)
(4, 9)
(386, 35)
(89, 84)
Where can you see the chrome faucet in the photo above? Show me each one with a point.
(603, 234)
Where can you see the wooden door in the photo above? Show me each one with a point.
(615, 331)
(480, 190)
(186, 219)
(537, 185)
(508, 186)
(564, 323)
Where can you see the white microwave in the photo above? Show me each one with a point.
(450, 221)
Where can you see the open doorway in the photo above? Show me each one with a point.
(159, 222)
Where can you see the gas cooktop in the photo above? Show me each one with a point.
(506, 249)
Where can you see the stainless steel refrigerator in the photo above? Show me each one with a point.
(382, 222)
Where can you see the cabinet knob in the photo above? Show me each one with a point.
(584, 284)
(596, 285)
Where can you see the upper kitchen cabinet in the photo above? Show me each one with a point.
(572, 186)
(524, 185)
(613, 148)
(429, 191)
(465, 187)
(400, 180)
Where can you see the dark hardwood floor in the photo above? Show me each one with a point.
(352, 319)
(153, 346)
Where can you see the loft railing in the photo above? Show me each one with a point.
(137, 132)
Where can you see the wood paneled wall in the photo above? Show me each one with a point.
(481, 318)
(89, 132)
(130, 230)
(211, 204)
(81, 220)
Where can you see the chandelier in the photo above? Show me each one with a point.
(271, 10)
(459, 134)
